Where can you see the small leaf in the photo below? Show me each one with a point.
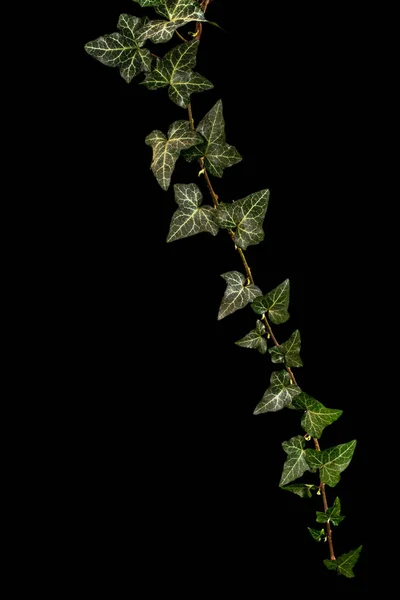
(246, 216)
(344, 564)
(255, 339)
(237, 294)
(178, 13)
(289, 352)
(217, 153)
(316, 416)
(317, 534)
(301, 489)
(296, 464)
(175, 70)
(279, 394)
(331, 461)
(123, 49)
(166, 151)
(331, 515)
(190, 218)
(275, 303)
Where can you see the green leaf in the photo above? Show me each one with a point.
(331, 461)
(146, 3)
(289, 352)
(217, 153)
(316, 416)
(178, 13)
(296, 464)
(317, 534)
(344, 564)
(332, 515)
(237, 294)
(279, 394)
(247, 216)
(190, 218)
(123, 49)
(301, 489)
(166, 151)
(275, 303)
(175, 70)
(255, 339)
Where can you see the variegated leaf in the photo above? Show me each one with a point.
(177, 13)
(331, 461)
(237, 294)
(289, 352)
(275, 303)
(279, 394)
(255, 339)
(296, 463)
(166, 151)
(190, 218)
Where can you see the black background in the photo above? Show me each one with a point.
(177, 478)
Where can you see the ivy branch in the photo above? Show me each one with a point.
(243, 220)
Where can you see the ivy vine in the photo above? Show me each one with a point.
(243, 220)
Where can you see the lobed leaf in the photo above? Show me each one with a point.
(289, 352)
(124, 48)
(217, 154)
(301, 489)
(175, 70)
(166, 151)
(279, 394)
(190, 218)
(331, 461)
(296, 463)
(178, 13)
(255, 339)
(317, 534)
(332, 515)
(275, 303)
(344, 564)
(237, 294)
(316, 416)
(246, 216)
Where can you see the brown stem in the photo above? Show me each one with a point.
(181, 36)
(250, 278)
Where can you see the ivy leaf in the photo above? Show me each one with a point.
(123, 49)
(289, 352)
(331, 515)
(275, 303)
(237, 294)
(279, 394)
(178, 13)
(216, 152)
(255, 339)
(146, 3)
(317, 534)
(316, 416)
(190, 218)
(331, 461)
(344, 564)
(296, 464)
(175, 70)
(166, 151)
(247, 216)
(301, 489)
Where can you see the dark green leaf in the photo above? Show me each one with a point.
(301, 489)
(166, 151)
(317, 534)
(296, 464)
(331, 515)
(279, 394)
(255, 339)
(289, 352)
(190, 218)
(218, 154)
(237, 293)
(246, 216)
(344, 564)
(175, 70)
(316, 416)
(123, 49)
(178, 13)
(331, 461)
(275, 303)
